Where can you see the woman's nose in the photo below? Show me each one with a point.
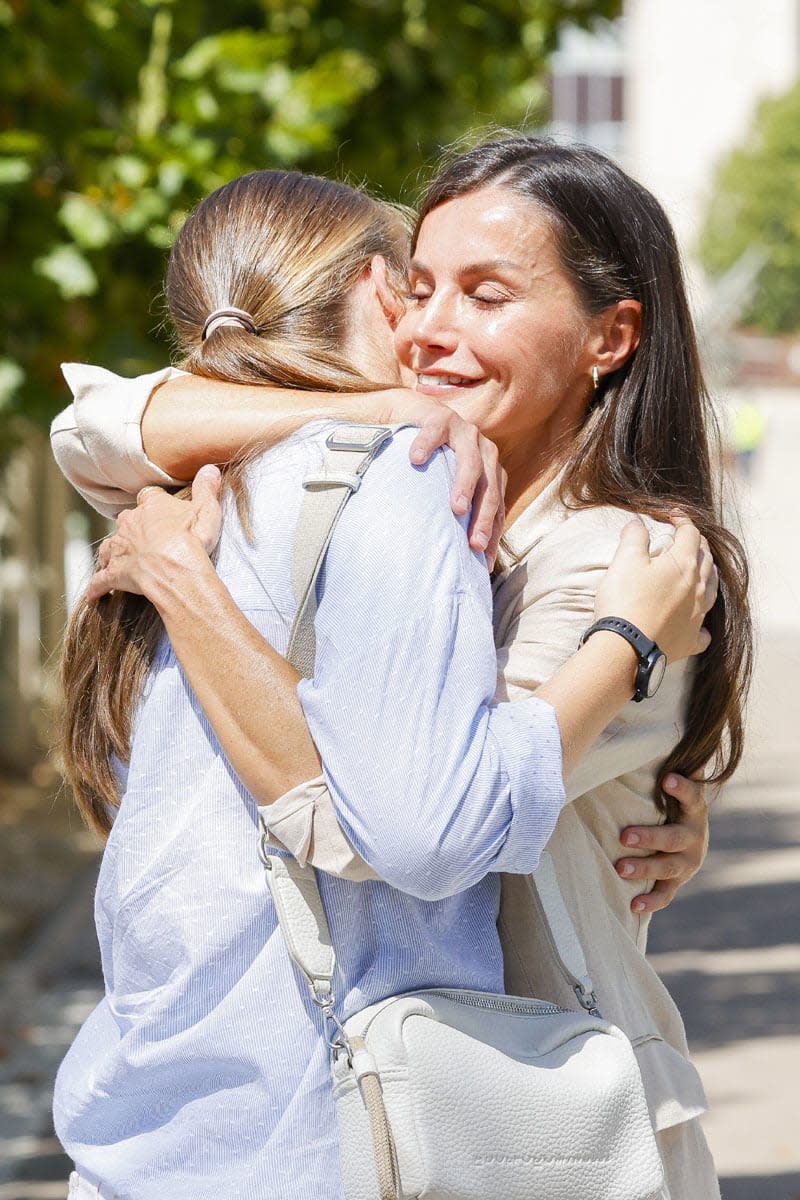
(433, 325)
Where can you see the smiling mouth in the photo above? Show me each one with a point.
(425, 380)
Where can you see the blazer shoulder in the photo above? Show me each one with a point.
(601, 525)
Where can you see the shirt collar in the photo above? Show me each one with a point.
(541, 515)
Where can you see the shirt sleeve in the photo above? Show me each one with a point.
(97, 440)
(561, 577)
(433, 784)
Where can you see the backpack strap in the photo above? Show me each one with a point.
(349, 450)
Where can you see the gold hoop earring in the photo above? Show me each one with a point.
(595, 377)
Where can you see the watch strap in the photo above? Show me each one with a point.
(642, 644)
(647, 650)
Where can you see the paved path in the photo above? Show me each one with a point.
(49, 975)
(729, 949)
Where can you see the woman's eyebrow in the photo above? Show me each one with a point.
(491, 265)
(477, 268)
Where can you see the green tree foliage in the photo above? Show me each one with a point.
(756, 203)
(116, 116)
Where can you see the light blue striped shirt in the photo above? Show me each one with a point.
(203, 1073)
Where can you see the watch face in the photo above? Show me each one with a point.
(656, 675)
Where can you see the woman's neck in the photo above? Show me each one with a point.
(521, 493)
(530, 467)
(534, 457)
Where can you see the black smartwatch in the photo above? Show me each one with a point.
(652, 661)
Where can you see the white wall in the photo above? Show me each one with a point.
(696, 71)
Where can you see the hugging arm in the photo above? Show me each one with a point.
(476, 760)
(434, 785)
(120, 435)
(560, 584)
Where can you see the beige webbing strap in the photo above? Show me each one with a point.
(349, 451)
(563, 934)
(386, 1166)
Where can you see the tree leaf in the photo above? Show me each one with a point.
(67, 268)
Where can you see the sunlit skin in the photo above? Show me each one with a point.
(495, 328)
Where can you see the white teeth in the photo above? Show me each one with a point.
(442, 380)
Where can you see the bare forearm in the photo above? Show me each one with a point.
(589, 691)
(247, 691)
(192, 420)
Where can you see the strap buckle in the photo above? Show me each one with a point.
(588, 1000)
(264, 848)
(337, 1038)
(357, 437)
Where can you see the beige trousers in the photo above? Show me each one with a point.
(688, 1165)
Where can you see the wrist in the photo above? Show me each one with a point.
(179, 580)
(616, 659)
(651, 660)
(392, 406)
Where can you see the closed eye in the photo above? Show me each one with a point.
(489, 299)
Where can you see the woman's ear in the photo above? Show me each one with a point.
(617, 334)
(387, 295)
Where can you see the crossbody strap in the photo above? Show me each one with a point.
(349, 451)
(563, 934)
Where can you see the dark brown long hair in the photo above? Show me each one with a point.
(645, 445)
(288, 249)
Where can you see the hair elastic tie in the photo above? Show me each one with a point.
(227, 316)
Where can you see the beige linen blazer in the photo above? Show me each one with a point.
(548, 571)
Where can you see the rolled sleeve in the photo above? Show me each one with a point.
(304, 822)
(97, 440)
(434, 786)
(528, 740)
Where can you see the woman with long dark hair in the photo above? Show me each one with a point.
(548, 306)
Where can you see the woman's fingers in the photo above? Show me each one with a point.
(690, 791)
(101, 583)
(709, 577)
(432, 434)
(669, 865)
(497, 532)
(479, 479)
(664, 839)
(442, 427)
(674, 852)
(660, 896)
(487, 501)
(634, 542)
(104, 551)
(470, 473)
(207, 508)
(686, 542)
(145, 494)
